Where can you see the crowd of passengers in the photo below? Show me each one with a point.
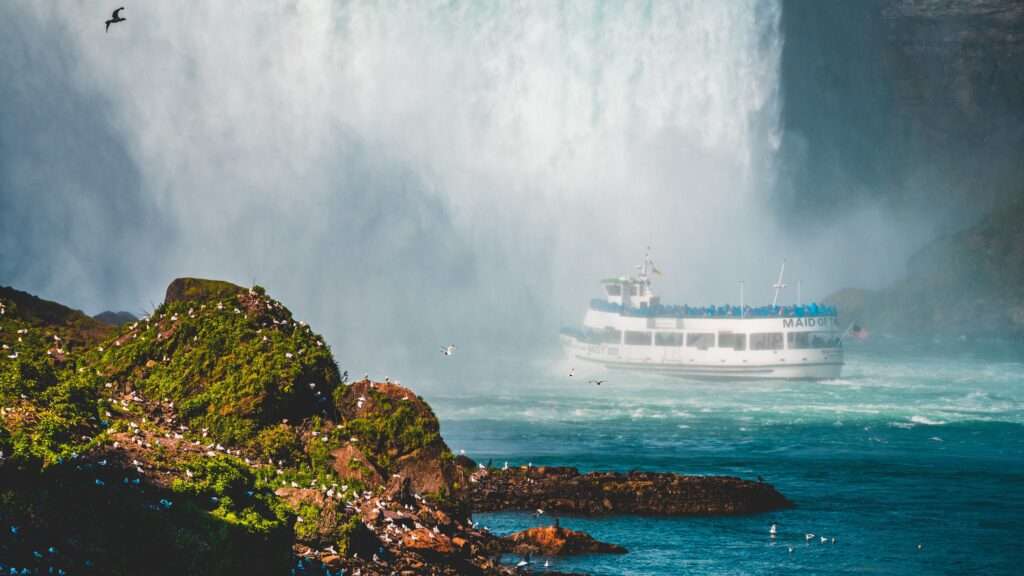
(812, 309)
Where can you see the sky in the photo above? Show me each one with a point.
(404, 175)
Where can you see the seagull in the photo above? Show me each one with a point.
(116, 17)
(597, 382)
(808, 537)
(448, 350)
(773, 530)
(538, 513)
(572, 372)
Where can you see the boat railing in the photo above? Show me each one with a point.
(727, 311)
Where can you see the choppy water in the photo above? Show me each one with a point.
(917, 444)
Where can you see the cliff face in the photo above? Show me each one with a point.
(967, 283)
(915, 103)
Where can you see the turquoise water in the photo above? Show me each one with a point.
(913, 461)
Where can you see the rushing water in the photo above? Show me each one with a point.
(913, 461)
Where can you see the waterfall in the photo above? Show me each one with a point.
(389, 167)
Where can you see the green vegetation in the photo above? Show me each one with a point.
(47, 412)
(233, 368)
(393, 429)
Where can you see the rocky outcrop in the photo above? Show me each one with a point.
(965, 284)
(351, 464)
(398, 434)
(199, 289)
(565, 490)
(73, 327)
(115, 318)
(556, 541)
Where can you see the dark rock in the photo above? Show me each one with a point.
(197, 289)
(75, 328)
(115, 318)
(565, 490)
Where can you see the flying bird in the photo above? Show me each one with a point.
(597, 382)
(448, 350)
(116, 17)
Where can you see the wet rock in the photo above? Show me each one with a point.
(565, 490)
(424, 541)
(557, 541)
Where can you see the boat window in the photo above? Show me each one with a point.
(766, 341)
(637, 338)
(613, 289)
(798, 340)
(801, 340)
(668, 339)
(609, 336)
(701, 340)
(732, 340)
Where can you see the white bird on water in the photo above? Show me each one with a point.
(448, 350)
(773, 530)
(808, 537)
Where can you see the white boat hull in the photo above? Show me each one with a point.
(782, 364)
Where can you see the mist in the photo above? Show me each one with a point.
(412, 174)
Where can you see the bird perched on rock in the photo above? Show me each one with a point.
(115, 18)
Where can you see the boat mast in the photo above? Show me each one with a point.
(779, 285)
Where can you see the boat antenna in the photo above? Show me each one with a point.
(741, 298)
(779, 285)
(799, 299)
(647, 267)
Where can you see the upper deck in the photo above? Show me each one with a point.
(658, 310)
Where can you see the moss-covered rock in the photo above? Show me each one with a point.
(233, 361)
(214, 436)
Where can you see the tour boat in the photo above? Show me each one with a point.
(630, 329)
